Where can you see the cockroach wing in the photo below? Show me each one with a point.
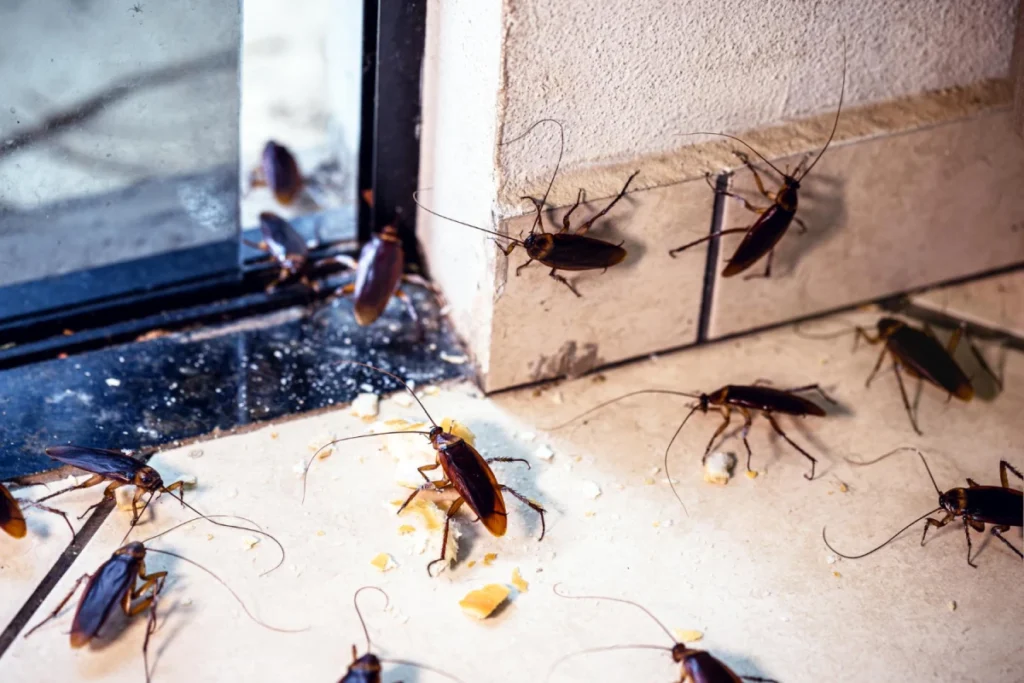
(105, 589)
(381, 263)
(579, 252)
(762, 237)
(924, 357)
(110, 464)
(475, 482)
(11, 519)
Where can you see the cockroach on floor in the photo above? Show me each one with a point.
(115, 582)
(12, 519)
(922, 356)
(773, 221)
(289, 250)
(119, 470)
(465, 470)
(747, 399)
(367, 668)
(562, 250)
(699, 666)
(977, 505)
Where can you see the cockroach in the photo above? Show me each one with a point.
(119, 470)
(773, 221)
(977, 505)
(562, 250)
(288, 249)
(367, 668)
(12, 519)
(279, 171)
(699, 666)
(116, 581)
(465, 470)
(747, 399)
(920, 353)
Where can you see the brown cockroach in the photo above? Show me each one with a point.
(977, 505)
(747, 399)
(699, 666)
(921, 355)
(773, 221)
(562, 250)
(465, 471)
(12, 519)
(115, 582)
(367, 668)
(279, 171)
(117, 470)
(289, 250)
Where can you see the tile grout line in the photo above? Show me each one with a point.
(56, 573)
(708, 292)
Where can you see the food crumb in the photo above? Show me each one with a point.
(453, 359)
(365, 405)
(589, 513)
(406, 529)
(687, 635)
(489, 558)
(843, 488)
(517, 580)
(431, 390)
(459, 430)
(325, 453)
(209, 537)
(321, 532)
(952, 605)
(718, 468)
(526, 436)
(656, 524)
(273, 435)
(481, 603)
(752, 474)
(384, 562)
(544, 452)
(836, 574)
(648, 481)
(111, 382)
(471, 564)
(591, 489)
(250, 542)
(831, 559)
(556, 397)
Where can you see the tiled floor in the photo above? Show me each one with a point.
(746, 566)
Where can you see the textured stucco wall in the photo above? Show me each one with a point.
(626, 78)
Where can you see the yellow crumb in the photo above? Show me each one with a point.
(273, 435)
(589, 513)
(752, 474)
(481, 603)
(489, 558)
(836, 574)
(383, 562)
(648, 481)
(458, 429)
(321, 532)
(517, 580)
(687, 635)
(471, 564)
(406, 529)
(432, 516)
(209, 537)
(326, 453)
(655, 524)
(843, 487)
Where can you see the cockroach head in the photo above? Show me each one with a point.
(679, 651)
(953, 501)
(367, 664)
(148, 478)
(888, 325)
(135, 550)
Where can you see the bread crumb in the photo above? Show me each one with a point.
(589, 513)
(836, 574)
(250, 542)
(687, 636)
(952, 605)
(556, 397)
(458, 429)
(454, 360)
(431, 390)
(481, 603)
(406, 529)
(526, 436)
(544, 452)
(321, 532)
(384, 562)
(273, 435)
(365, 405)
(209, 537)
(718, 468)
(517, 580)
(752, 474)
(471, 564)
(325, 453)
(648, 481)
(591, 489)
(433, 517)
(124, 495)
(843, 488)
(489, 558)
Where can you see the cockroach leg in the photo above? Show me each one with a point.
(767, 269)
(54, 511)
(726, 419)
(878, 363)
(94, 480)
(815, 388)
(1003, 467)
(714, 235)
(433, 485)
(410, 308)
(748, 420)
(996, 531)
(444, 538)
(778, 430)
(555, 276)
(522, 460)
(937, 523)
(622, 193)
(565, 218)
(60, 605)
(536, 507)
(108, 494)
(426, 468)
(800, 224)
(906, 401)
(528, 262)
(967, 533)
(770, 196)
(150, 630)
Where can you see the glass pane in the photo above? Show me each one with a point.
(118, 135)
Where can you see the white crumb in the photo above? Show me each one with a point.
(544, 452)
(365, 405)
(526, 436)
(403, 399)
(111, 382)
(718, 468)
(591, 489)
(300, 467)
(454, 359)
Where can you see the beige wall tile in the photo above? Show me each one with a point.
(884, 216)
(648, 303)
(996, 302)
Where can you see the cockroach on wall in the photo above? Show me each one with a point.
(699, 666)
(12, 519)
(367, 667)
(747, 399)
(773, 220)
(116, 470)
(278, 171)
(977, 505)
(116, 582)
(570, 250)
(920, 354)
(465, 470)
(289, 251)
